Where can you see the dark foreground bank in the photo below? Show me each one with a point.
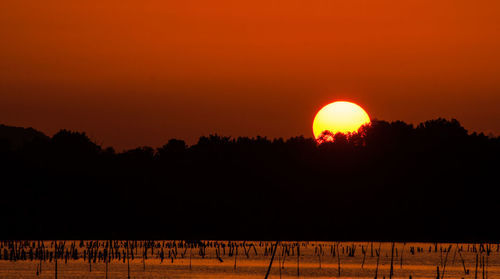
(391, 181)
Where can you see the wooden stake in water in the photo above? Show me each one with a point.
(88, 256)
(279, 263)
(144, 258)
(378, 259)
(466, 271)
(190, 256)
(364, 257)
(319, 260)
(482, 263)
(235, 256)
(107, 256)
(298, 259)
(487, 265)
(475, 273)
(445, 261)
(392, 262)
(284, 253)
(272, 258)
(128, 263)
(401, 260)
(55, 260)
(41, 260)
(338, 259)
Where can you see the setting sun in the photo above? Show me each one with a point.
(343, 117)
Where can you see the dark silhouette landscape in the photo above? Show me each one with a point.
(391, 181)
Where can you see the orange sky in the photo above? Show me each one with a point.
(140, 72)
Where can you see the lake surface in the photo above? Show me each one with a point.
(246, 259)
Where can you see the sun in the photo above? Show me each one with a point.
(341, 116)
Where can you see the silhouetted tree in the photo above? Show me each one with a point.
(75, 141)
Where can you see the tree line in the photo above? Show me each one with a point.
(390, 181)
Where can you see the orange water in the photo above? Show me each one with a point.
(316, 261)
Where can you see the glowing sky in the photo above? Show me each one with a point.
(140, 72)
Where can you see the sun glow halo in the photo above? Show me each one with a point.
(341, 116)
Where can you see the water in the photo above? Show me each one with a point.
(249, 260)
